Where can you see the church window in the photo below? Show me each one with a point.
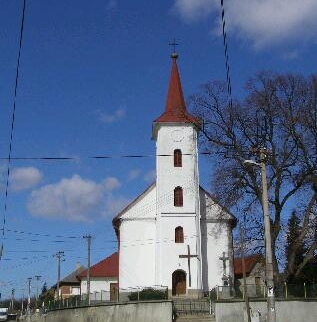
(179, 234)
(178, 197)
(177, 158)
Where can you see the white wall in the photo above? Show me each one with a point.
(215, 240)
(137, 254)
(97, 284)
(137, 243)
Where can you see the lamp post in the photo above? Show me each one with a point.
(271, 314)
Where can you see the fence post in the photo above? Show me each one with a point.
(217, 292)
(286, 291)
(138, 295)
(243, 292)
(305, 291)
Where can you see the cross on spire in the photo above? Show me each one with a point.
(174, 44)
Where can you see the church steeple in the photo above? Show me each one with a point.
(175, 108)
(175, 99)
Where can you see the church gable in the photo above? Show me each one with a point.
(210, 210)
(142, 207)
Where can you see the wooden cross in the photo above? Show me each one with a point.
(224, 259)
(174, 44)
(188, 256)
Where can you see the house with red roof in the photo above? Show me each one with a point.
(103, 279)
(255, 274)
(70, 285)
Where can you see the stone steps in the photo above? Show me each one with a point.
(195, 318)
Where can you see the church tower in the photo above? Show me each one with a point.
(177, 193)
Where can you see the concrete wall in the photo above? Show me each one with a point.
(154, 311)
(286, 311)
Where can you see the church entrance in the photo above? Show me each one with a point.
(178, 282)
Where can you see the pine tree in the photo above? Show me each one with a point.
(44, 288)
(295, 249)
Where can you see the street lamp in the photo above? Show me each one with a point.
(271, 314)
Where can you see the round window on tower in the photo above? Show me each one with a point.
(177, 135)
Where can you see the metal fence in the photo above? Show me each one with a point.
(191, 306)
(118, 295)
(282, 291)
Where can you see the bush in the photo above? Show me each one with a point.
(148, 294)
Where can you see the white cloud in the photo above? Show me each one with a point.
(111, 117)
(24, 178)
(150, 176)
(263, 22)
(76, 199)
(111, 183)
(193, 10)
(133, 174)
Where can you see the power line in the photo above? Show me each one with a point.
(43, 235)
(12, 125)
(225, 44)
(129, 156)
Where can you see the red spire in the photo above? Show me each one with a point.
(175, 109)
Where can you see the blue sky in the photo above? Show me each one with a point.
(93, 76)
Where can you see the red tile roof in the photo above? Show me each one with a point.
(250, 262)
(108, 267)
(175, 109)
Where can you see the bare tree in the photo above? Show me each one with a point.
(279, 113)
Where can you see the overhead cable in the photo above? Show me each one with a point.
(225, 44)
(12, 125)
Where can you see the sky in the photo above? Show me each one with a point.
(93, 77)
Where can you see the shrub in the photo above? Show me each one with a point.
(148, 294)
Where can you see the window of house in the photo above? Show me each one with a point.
(178, 197)
(179, 234)
(177, 158)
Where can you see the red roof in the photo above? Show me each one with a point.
(108, 267)
(250, 262)
(175, 109)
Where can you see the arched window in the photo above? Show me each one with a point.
(178, 197)
(179, 234)
(177, 158)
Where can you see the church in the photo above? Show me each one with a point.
(174, 234)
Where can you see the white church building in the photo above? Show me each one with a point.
(174, 234)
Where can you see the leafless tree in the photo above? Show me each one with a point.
(279, 113)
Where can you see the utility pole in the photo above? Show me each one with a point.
(12, 299)
(245, 289)
(29, 300)
(22, 303)
(88, 237)
(60, 256)
(271, 313)
(37, 288)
